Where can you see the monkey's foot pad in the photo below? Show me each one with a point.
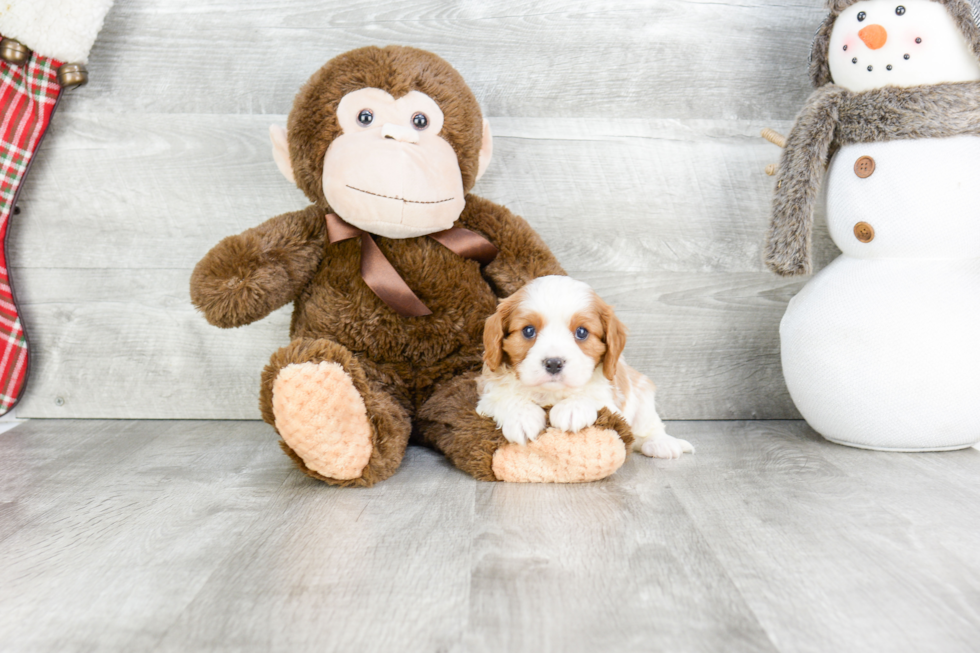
(560, 457)
(322, 417)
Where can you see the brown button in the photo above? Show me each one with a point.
(864, 232)
(864, 167)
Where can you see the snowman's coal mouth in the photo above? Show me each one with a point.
(871, 67)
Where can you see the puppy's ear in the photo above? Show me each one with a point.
(615, 339)
(494, 332)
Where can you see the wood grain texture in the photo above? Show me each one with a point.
(127, 343)
(821, 546)
(626, 133)
(629, 195)
(663, 217)
(618, 564)
(637, 58)
(177, 536)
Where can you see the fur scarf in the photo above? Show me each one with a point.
(833, 117)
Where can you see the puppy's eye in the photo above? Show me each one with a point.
(420, 120)
(529, 332)
(899, 10)
(581, 333)
(861, 16)
(365, 117)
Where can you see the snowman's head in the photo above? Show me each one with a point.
(873, 43)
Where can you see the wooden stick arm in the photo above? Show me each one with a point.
(774, 137)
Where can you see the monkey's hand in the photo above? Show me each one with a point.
(246, 277)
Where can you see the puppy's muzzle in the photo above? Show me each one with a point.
(553, 365)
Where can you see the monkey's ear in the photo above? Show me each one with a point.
(280, 152)
(486, 149)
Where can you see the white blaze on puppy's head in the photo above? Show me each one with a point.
(904, 43)
(554, 333)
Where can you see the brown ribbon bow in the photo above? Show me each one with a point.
(381, 277)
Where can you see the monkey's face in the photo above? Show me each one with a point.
(390, 172)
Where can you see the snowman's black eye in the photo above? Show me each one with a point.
(888, 67)
(420, 121)
(861, 16)
(899, 10)
(365, 117)
(906, 56)
(918, 39)
(845, 48)
(869, 68)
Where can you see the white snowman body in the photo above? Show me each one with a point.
(881, 349)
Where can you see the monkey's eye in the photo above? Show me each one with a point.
(899, 10)
(581, 333)
(365, 117)
(861, 16)
(420, 120)
(529, 332)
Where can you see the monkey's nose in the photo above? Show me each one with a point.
(553, 365)
(874, 36)
(399, 133)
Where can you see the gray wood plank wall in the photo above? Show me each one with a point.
(626, 133)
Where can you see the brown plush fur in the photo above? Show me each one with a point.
(961, 10)
(313, 125)
(246, 277)
(448, 423)
(833, 117)
(404, 367)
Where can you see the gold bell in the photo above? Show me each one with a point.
(71, 75)
(14, 52)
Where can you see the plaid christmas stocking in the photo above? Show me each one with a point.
(39, 36)
(28, 96)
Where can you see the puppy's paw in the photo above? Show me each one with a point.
(665, 446)
(523, 424)
(572, 415)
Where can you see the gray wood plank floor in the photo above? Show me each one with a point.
(182, 536)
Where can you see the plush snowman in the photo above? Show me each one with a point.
(881, 349)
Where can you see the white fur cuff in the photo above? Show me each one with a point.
(60, 29)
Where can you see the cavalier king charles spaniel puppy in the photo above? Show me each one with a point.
(556, 343)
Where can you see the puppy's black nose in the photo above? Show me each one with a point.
(554, 365)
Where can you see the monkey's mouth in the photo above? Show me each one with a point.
(399, 199)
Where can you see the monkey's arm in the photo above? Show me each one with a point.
(523, 255)
(245, 277)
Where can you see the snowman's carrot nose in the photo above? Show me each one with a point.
(874, 36)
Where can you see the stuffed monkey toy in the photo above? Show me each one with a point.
(392, 271)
